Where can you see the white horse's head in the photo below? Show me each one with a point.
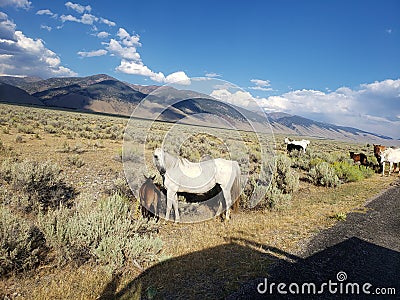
(158, 159)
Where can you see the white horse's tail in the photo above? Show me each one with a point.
(235, 189)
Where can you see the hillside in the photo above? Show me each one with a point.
(13, 94)
(105, 94)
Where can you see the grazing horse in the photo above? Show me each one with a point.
(392, 156)
(149, 195)
(181, 175)
(378, 149)
(296, 145)
(359, 157)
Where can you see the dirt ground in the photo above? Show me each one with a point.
(363, 249)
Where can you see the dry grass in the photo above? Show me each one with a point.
(206, 260)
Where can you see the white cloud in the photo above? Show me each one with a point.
(22, 55)
(128, 53)
(125, 47)
(47, 12)
(127, 39)
(107, 22)
(77, 7)
(212, 75)
(260, 82)
(103, 35)
(138, 68)
(178, 77)
(87, 19)
(48, 28)
(93, 53)
(16, 3)
(261, 85)
(238, 98)
(373, 107)
(65, 18)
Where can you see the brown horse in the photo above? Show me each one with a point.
(149, 195)
(378, 149)
(359, 157)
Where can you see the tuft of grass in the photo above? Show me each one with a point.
(349, 172)
(21, 245)
(104, 232)
(285, 181)
(323, 174)
(340, 216)
(76, 161)
(40, 184)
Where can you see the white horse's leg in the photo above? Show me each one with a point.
(228, 200)
(175, 205)
(170, 199)
(390, 167)
(383, 168)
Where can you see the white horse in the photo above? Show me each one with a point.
(303, 143)
(392, 156)
(181, 175)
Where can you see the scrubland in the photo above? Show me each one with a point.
(71, 228)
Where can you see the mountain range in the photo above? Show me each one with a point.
(104, 94)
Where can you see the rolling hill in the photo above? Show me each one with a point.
(105, 94)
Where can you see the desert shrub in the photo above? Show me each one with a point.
(28, 129)
(306, 161)
(21, 244)
(324, 174)
(347, 171)
(103, 231)
(300, 160)
(40, 183)
(284, 182)
(50, 129)
(19, 139)
(75, 160)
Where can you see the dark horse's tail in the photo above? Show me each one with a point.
(235, 189)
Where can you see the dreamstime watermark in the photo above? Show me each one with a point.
(203, 119)
(333, 287)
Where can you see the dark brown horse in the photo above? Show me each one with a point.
(359, 157)
(150, 196)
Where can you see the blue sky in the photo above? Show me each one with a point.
(333, 61)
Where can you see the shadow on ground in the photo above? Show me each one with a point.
(218, 271)
(363, 249)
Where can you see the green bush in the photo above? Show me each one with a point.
(284, 182)
(104, 231)
(323, 174)
(348, 172)
(21, 245)
(40, 184)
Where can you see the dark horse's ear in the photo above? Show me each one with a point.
(152, 178)
(145, 177)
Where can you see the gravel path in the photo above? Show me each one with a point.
(365, 248)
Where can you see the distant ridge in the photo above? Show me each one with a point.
(105, 94)
(13, 94)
